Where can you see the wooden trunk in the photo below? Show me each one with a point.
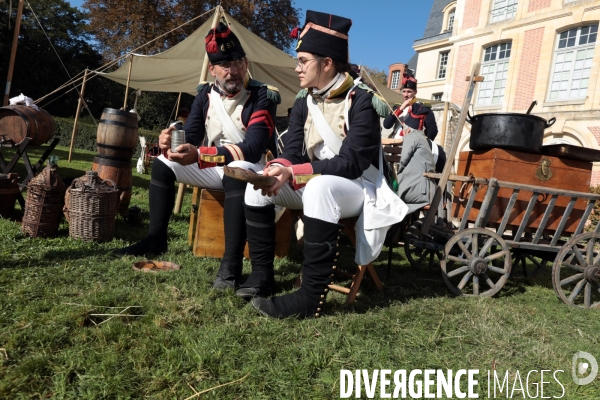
(209, 240)
(524, 168)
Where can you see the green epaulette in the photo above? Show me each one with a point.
(378, 102)
(272, 91)
(380, 105)
(302, 94)
(200, 86)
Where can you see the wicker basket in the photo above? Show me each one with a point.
(44, 203)
(91, 205)
(9, 190)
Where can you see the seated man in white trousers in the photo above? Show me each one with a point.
(234, 119)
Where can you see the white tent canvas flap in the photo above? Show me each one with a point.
(178, 68)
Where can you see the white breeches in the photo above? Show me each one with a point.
(326, 197)
(208, 178)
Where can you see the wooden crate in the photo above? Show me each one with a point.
(525, 168)
(209, 237)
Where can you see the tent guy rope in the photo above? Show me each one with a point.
(120, 58)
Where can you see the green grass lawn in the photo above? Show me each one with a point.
(186, 337)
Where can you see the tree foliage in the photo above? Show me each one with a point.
(378, 76)
(38, 70)
(120, 26)
(158, 109)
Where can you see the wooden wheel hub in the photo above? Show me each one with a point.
(478, 266)
(592, 274)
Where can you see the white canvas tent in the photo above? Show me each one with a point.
(178, 68)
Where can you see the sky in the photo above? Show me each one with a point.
(382, 31)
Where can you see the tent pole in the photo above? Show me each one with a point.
(177, 107)
(13, 52)
(181, 188)
(196, 194)
(217, 17)
(127, 85)
(79, 104)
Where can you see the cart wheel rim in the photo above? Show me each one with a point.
(477, 262)
(576, 271)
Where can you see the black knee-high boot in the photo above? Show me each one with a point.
(162, 200)
(230, 271)
(321, 252)
(260, 227)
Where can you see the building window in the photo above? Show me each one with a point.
(395, 80)
(451, 19)
(503, 9)
(443, 65)
(437, 96)
(494, 69)
(573, 63)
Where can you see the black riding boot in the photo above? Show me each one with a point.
(260, 226)
(230, 271)
(321, 252)
(162, 200)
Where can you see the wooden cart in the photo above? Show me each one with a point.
(502, 221)
(476, 258)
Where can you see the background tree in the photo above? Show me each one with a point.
(157, 109)
(378, 76)
(122, 25)
(119, 26)
(38, 70)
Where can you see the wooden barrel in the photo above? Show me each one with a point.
(118, 172)
(117, 134)
(19, 122)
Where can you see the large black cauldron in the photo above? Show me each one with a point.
(523, 132)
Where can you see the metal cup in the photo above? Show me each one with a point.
(177, 138)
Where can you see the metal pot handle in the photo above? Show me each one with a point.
(550, 122)
(469, 118)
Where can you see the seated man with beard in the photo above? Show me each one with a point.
(231, 123)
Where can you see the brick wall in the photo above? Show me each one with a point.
(596, 132)
(395, 67)
(595, 181)
(535, 5)
(595, 174)
(463, 69)
(471, 14)
(528, 68)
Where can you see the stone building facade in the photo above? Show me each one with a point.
(542, 50)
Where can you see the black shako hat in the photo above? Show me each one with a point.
(222, 45)
(409, 82)
(324, 35)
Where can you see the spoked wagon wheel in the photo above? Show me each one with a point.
(525, 265)
(576, 271)
(477, 263)
(420, 258)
